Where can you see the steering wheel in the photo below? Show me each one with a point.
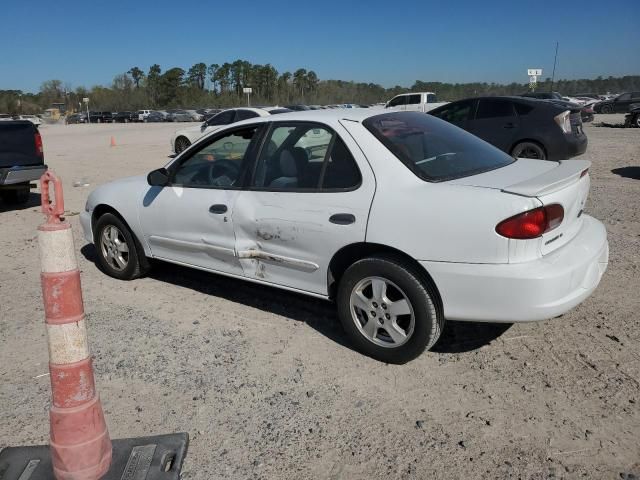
(223, 172)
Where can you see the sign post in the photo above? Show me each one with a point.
(533, 73)
(86, 101)
(248, 91)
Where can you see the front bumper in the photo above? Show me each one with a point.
(13, 175)
(529, 291)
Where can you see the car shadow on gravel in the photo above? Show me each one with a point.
(318, 314)
(33, 201)
(628, 172)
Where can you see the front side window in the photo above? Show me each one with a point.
(431, 98)
(223, 118)
(397, 101)
(494, 108)
(432, 149)
(245, 114)
(305, 157)
(624, 97)
(455, 113)
(217, 164)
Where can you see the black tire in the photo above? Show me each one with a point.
(529, 150)
(606, 109)
(635, 121)
(182, 143)
(137, 264)
(18, 195)
(428, 320)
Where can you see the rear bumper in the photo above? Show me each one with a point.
(576, 145)
(529, 291)
(13, 175)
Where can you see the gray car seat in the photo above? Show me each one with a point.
(292, 165)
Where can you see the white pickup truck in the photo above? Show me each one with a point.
(414, 102)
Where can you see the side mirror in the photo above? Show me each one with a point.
(158, 178)
(203, 126)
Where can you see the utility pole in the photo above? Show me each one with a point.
(553, 75)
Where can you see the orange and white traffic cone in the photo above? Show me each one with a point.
(80, 444)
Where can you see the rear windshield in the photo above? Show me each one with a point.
(434, 149)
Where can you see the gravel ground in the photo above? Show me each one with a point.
(265, 383)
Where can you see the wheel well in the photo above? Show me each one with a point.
(101, 209)
(182, 137)
(350, 254)
(530, 140)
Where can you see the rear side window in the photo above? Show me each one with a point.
(494, 108)
(434, 150)
(522, 109)
(413, 99)
(431, 98)
(305, 157)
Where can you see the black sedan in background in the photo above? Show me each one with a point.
(125, 117)
(521, 127)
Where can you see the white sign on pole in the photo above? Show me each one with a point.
(85, 99)
(533, 79)
(247, 90)
(534, 72)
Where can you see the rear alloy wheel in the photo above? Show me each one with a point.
(388, 310)
(529, 150)
(636, 121)
(606, 109)
(182, 144)
(118, 252)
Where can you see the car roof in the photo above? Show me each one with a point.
(326, 116)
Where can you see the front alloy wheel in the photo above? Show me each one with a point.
(119, 254)
(114, 248)
(182, 144)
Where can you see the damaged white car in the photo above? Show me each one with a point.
(403, 220)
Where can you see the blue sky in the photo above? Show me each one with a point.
(392, 43)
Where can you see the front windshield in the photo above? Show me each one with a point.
(434, 149)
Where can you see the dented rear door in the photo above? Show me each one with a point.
(288, 238)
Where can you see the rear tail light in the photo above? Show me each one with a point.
(533, 223)
(564, 121)
(39, 147)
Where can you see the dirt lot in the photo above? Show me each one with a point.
(267, 386)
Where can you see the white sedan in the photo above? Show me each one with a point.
(182, 139)
(400, 218)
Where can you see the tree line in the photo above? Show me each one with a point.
(221, 85)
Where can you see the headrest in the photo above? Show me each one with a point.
(288, 164)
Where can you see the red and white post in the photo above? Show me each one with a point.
(80, 443)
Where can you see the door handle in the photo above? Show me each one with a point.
(509, 125)
(342, 219)
(218, 209)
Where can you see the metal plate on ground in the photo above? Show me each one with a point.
(146, 458)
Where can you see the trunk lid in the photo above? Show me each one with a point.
(550, 182)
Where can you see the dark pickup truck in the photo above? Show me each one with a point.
(21, 160)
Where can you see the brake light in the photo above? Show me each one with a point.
(533, 223)
(564, 121)
(39, 147)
